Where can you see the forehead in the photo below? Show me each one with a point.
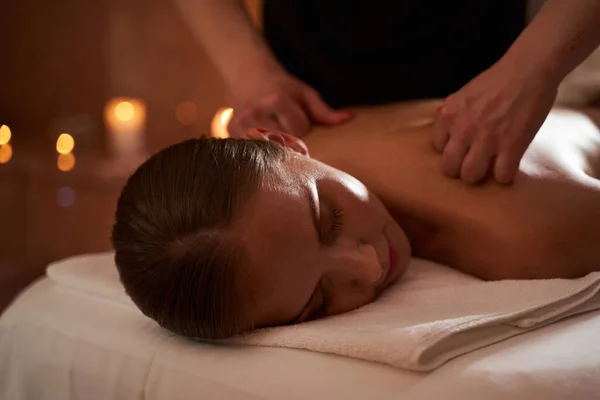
(279, 235)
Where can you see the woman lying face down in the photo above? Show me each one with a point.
(214, 237)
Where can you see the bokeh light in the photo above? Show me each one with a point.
(65, 162)
(65, 143)
(6, 153)
(186, 113)
(125, 111)
(65, 197)
(220, 121)
(5, 134)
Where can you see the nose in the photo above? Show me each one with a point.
(354, 276)
(372, 270)
(360, 265)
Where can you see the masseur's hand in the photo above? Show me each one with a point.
(286, 140)
(486, 126)
(277, 101)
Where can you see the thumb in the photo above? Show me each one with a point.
(320, 112)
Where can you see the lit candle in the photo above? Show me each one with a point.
(220, 121)
(125, 121)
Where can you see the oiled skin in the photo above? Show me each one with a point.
(545, 225)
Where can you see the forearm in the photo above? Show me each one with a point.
(559, 38)
(235, 46)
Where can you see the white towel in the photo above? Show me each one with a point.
(430, 316)
(434, 314)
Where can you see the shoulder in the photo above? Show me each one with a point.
(553, 240)
(543, 236)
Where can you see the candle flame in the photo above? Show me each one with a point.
(125, 111)
(226, 116)
(4, 134)
(65, 143)
(6, 153)
(220, 122)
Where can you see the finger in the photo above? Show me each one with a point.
(301, 147)
(235, 129)
(238, 128)
(454, 154)
(292, 118)
(443, 122)
(320, 111)
(291, 142)
(507, 166)
(282, 138)
(489, 174)
(256, 134)
(477, 161)
(440, 134)
(241, 131)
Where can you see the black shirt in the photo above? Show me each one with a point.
(379, 51)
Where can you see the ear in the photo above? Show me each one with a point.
(284, 139)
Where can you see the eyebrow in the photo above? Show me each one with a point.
(314, 214)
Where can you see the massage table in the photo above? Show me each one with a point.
(71, 335)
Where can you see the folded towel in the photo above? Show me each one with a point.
(435, 314)
(430, 316)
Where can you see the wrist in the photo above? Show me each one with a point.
(534, 63)
(254, 77)
(251, 71)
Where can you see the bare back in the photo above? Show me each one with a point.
(544, 225)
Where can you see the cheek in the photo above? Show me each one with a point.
(351, 298)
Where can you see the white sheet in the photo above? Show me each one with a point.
(63, 341)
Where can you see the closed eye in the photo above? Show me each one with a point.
(334, 224)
